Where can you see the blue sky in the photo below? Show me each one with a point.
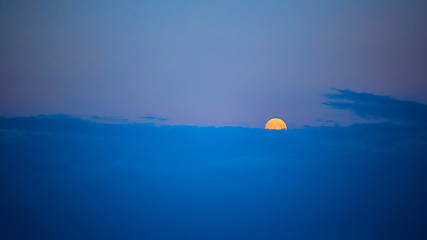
(221, 63)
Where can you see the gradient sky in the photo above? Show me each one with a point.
(204, 63)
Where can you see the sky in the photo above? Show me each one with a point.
(144, 120)
(208, 63)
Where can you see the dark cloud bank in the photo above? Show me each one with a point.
(67, 178)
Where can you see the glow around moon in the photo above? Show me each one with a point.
(276, 124)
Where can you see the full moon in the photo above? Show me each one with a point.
(276, 124)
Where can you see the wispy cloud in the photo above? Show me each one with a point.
(370, 106)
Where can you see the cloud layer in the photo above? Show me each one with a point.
(67, 178)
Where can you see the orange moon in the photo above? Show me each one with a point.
(276, 124)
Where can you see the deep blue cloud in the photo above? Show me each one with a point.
(66, 178)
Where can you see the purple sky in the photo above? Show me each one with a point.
(208, 62)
